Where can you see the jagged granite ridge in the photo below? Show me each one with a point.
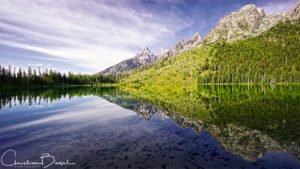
(140, 59)
(146, 57)
(248, 21)
(184, 46)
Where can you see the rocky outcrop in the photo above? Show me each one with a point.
(146, 57)
(294, 13)
(248, 21)
(142, 58)
(184, 46)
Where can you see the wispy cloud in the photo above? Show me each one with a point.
(91, 34)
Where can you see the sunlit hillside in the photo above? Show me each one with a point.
(273, 57)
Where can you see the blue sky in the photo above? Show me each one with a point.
(87, 36)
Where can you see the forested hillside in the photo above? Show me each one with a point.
(273, 57)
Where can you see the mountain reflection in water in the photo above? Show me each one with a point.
(232, 127)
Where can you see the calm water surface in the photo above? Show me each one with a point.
(216, 127)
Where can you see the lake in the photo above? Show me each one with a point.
(229, 126)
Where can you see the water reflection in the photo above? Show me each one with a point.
(18, 96)
(233, 127)
(247, 120)
(268, 115)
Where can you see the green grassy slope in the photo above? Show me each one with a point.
(273, 56)
(180, 70)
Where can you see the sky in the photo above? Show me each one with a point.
(87, 36)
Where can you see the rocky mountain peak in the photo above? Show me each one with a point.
(142, 58)
(294, 13)
(184, 45)
(248, 8)
(238, 25)
(261, 12)
(196, 38)
(248, 21)
(161, 52)
(145, 57)
(146, 51)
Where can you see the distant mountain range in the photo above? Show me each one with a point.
(249, 21)
(146, 57)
